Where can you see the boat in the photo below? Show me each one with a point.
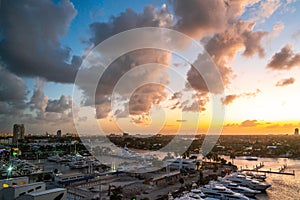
(247, 182)
(198, 192)
(237, 188)
(221, 192)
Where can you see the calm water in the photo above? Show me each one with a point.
(283, 186)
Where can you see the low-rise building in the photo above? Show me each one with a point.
(14, 192)
(56, 194)
(12, 182)
(180, 163)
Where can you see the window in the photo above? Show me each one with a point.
(22, 193)
(22, 183)
(31, 190)
(59, 197)
(39, 187)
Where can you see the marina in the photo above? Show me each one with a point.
(85, 181)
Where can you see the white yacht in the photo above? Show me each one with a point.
(244, 181)
(221, 192)
(198, 192)
(237, 188)
(188, 196)
(260, 177)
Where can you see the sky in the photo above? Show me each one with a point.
(254, 45)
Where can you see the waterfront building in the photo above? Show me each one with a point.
(57, 193)
(166, 179)
(18, 132)
(180, 163)
(71, 178)
(5, 183)
(13, 192)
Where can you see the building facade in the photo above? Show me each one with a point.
(58, 133)
(18, 132)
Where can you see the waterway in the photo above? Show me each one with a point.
(284, 187)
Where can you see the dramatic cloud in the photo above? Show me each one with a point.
(285, 59)
(59, 112)
(232, 97)
(12, 88)
(229, 99)
(60, 105)
(39, 100)
(285, 82)
(249, 123)
(30, 39)
(228, 36)
(142, 99)
(200, 17)
(151, 17)
(223, 48)
(39, 118)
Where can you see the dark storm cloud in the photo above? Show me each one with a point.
(129, 19)
(12, 87)
(285, 82)
(200, 17)
(285, 59)
(30, 39)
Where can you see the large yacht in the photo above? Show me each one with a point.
(237, 188)
(198, 192)
(244, 181)
(221, 192)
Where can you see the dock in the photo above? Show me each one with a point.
(270, 172)
(281, 170)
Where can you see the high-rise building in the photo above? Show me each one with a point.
(18, 132)
(296, 131)
(58, 133)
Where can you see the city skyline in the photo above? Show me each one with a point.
(254, 44)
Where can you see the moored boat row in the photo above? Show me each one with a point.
(233, 186)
